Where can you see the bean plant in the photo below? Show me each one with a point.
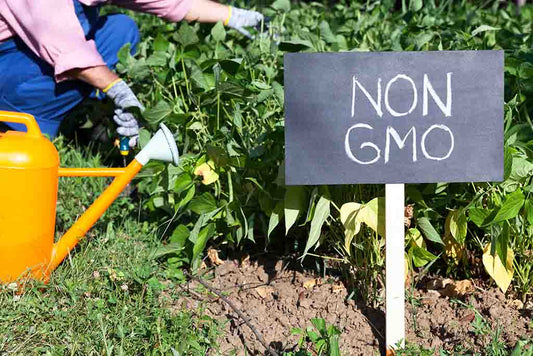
(222, 95)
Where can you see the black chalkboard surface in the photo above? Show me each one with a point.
(393, 117)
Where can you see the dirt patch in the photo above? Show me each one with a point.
(276, 299)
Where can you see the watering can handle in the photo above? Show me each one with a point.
(21, 118)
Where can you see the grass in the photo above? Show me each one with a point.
(110, 296)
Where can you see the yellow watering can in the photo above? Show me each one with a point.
(29, 171)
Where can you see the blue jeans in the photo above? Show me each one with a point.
(27, 82)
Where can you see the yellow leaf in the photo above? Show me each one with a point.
(352, 225)
(453, 250)
(415, 237)
(495, 268)
(206, 171)
(373, 215)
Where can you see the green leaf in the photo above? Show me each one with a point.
(295, 45)
(478, 215)
(320, 325)
(295, 203)
(415, 5)
(180, 235)
(421, 39)
(282, 5)
(428, 230)
(334, 349)
(158, 112)
(157, 59)
(484, 28)
(319, 217)
(325, 32)
(124, 54)
(275, 217)
(161, 43)
(528, 207)
(182, 182)
(510, 208)
(186, 35)
(203, 204)
(421, 256)
(231, 66)
(188, 197)
(205, 234)
(218, 32)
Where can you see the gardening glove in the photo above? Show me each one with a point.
(240, 18)
(125, 100)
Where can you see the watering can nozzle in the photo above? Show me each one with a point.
(32, 162)
(161, 147)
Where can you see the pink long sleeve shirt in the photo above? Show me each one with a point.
(51, 29)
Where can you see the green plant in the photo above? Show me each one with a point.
(223, 96)
(324, 339)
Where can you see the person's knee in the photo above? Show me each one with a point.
(124, 30)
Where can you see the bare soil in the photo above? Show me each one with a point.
(276, 299)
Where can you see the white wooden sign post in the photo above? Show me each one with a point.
(394, 265)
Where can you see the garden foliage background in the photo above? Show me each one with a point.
(222, 95)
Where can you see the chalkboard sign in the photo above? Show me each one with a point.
(393, 117)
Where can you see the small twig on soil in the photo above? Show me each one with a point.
(236, 310)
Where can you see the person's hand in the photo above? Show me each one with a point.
(240, 18)
(125, 100)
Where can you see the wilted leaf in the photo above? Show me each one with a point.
(415, 237)
(453, 250)
(206, 171)
(373, 215)
(421, 256)
(457, 225)
(501, 274)
(351, 222)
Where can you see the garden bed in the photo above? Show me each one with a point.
(277, 297)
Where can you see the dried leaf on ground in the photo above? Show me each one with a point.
(245, 260)
(517, 304)
(213, 257)
(265, 292)
(310, 283)
(337, 288)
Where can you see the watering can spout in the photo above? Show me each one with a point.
(161, 147)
